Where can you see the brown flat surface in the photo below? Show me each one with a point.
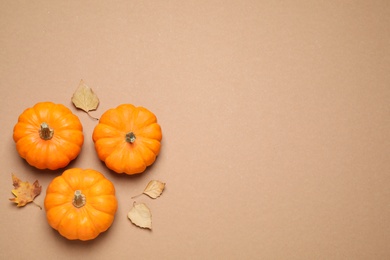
(275, 118)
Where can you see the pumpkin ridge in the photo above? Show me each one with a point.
(112, 128)
(100, 178)
(42, 111)
(78, 222)
(119, 152)
(121, 147)
(127, 149)
(100, 135)
(27, 128)
(93, 184)
(65, 122)
(119, 139)
(145, 117)
(113, 148)
(111, 118)
(151, 140)
(65, 203)
(147, 131)
(27, 141)
(60, 133)
(85, 188)
(146, 161)
(69, 152)
(134, 153)
(34, 136)
(91, 219)
(102, 196)
(68, 183)
(29, 117)
(62, 113)
(132, 121)
(140, 155)
(63, 217)
(39, 148)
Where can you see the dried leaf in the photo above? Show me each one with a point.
(24, 192)
(154, 189)
(140, 215)
(85, 99)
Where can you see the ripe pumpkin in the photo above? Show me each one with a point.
(127, 138)
(80, 204)
(48, 135)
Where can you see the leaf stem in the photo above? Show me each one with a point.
(92, 116)
(36, 204)
(136, 196)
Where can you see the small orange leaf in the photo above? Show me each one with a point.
(24, 192)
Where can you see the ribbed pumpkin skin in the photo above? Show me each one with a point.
(63, 147)
(112, 145)
(88, 221)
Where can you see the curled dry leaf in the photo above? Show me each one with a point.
(25, 192)
(140, 215)
(154, 189)
(85, 99)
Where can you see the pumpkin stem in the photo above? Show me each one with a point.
(130, 137)
(78, 199)
(46, 133)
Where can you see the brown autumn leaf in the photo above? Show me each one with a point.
(140, 215)
(85, 99)
(154, 189)
(24, 192)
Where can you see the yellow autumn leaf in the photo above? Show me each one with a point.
(24, 192)
(140, 215)
(85, 99)
(154, 189)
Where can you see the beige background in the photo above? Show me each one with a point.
(275, 118)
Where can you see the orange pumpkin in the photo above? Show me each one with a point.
(80, 204)
(48, 136)
(127, 139)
